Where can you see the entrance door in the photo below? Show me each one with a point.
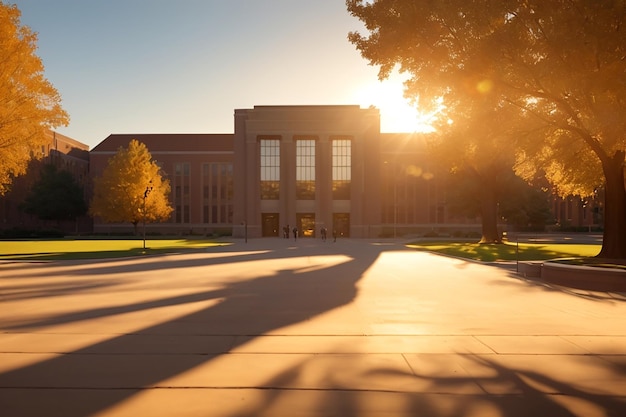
(341, 224)
(269, 224)
(306, 224)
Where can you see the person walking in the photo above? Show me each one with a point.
(295, 233)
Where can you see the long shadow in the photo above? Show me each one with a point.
(115, 268)
(141, 264)
(25, 292)
(252, 307)
(506, 391)
(538, 284)
(532, 283)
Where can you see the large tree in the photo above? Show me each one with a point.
(131, 188)
(561, 62)
(520, 205)
(56, 195)
(476, 147)
(29, 104)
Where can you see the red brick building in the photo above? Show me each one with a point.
(200, 170)
(303, 166)
(67, 154)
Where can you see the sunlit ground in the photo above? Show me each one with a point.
(509, 251)
(280, 328)
(95, 248)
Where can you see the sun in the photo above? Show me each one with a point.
(396, 114)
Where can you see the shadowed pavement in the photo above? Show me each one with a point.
(274, 327)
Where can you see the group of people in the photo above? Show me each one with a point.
(286, 232)
(323, 233)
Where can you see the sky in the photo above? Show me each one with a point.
(163, 66)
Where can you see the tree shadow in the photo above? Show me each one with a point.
(534, 283)
(493, 252)
(138, 251)
(121, 265)
(251, 307)
(26, 292)
(490, 387)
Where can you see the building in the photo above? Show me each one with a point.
(308, 167)
(200, 170)
(293, 166)
(67, 154)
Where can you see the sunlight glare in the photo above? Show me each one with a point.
(397, 115)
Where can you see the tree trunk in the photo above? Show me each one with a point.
(489, 213)
(614, 242)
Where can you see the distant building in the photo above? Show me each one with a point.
(67, 154)
(299, 166)
(200, 170)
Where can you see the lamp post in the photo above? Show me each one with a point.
(145, 196)
(395, 200)
(392, 173)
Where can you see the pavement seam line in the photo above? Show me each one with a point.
(485, 344)
(408, 364)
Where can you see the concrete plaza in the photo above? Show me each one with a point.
(277, 327)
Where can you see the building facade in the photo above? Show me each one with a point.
(200, 170)
(306, 167)
(66, 154)
(303, 167)
(286, 167)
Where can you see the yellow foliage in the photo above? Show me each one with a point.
(131, 188)
(29, 104)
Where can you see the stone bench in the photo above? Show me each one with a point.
(584, 277)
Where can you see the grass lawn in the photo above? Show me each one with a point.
(509, 251)
(56, 249)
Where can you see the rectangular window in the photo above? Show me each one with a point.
(305, 169)
(342, 168)
(181, 185)
(217, 201)
(270, 169)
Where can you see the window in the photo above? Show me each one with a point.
(181, 184)
(305, 169)
(217, 192)
(342, 168)
(270, 169)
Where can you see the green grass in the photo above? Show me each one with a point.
(509, 251)
(57, 249)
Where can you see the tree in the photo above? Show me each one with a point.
(131, 188)
(477, 148)
(29, 104)
(56, 195)
(522, 206)
(526, 207)
(561, 62)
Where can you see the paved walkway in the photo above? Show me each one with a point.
(274, 327)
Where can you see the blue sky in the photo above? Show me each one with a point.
(163, 66)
